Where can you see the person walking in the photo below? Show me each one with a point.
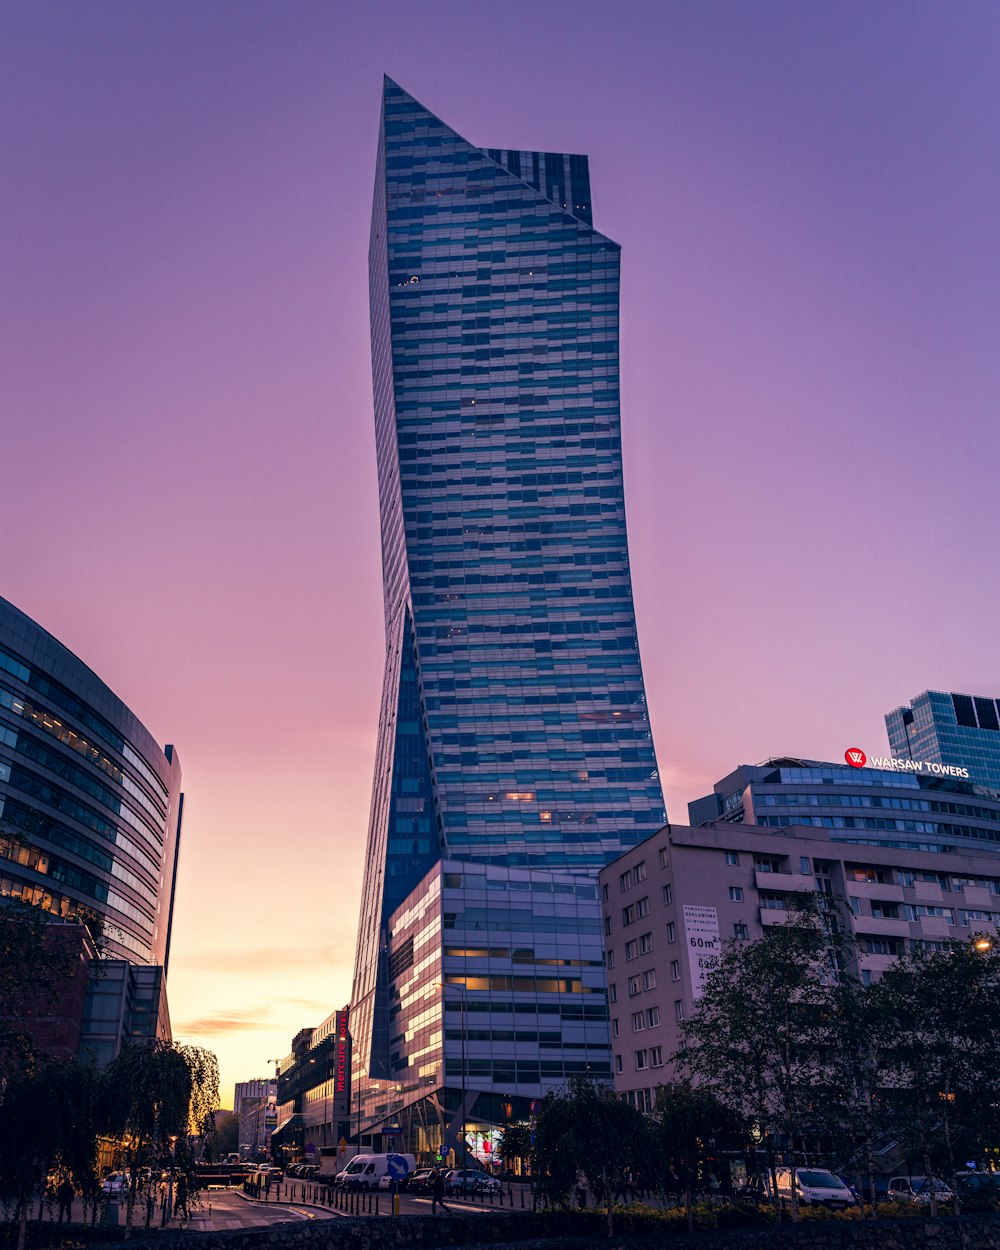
(181, 1197)
(66, 1193)
(437, 1192)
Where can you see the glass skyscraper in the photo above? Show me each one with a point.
(944, 728)
(514, 754)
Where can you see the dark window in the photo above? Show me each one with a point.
(987, 711)
(964, 711)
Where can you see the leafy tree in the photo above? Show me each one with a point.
(938, 1010)
(33, 969)
(692, 1125)
(515, 1142)
(763, 1029)
(156, 1093)
(48, 1116)
(224, 1137)
(589, 1130)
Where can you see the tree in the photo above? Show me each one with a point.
(938, 1010)
(48, 1117)
(589, 1130)
(765, 1023)
(224, 1136)
(155, 1093)
(33, 970)
(692, 1125)
(515, 1142)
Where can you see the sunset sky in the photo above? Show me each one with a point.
(807, 197)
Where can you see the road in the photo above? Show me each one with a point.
(226, 1208)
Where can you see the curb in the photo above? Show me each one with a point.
(287, 1202)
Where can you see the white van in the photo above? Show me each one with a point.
(815, 1187)
(365, 1171)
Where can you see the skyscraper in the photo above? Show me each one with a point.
(944, 728)
(513, 736)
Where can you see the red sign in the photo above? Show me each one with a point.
(856, 757)
(340, 1066)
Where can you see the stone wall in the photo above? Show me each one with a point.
(577, 1230)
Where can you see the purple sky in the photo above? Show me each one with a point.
(807, 199)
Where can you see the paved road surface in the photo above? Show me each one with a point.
(225, 1208)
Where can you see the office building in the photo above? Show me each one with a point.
(670, 903)
(513, 738)
(254, 1091)
(312, 1092)
(90, 805)
(907, 810)
(959, 730)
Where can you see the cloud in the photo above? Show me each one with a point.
(231, 1021)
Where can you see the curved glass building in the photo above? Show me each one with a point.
(514, 755)
(90, 805)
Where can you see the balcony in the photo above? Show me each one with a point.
(879, 890)
(784, 882)
(771, 916)
(980, 898)
(928, 891)
(877, 926)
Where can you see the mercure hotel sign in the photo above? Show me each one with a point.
(857, 759)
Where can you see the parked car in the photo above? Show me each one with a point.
(919, 1189)
(116, 1184)
(979, 1191)
(814, 1187)
(470, 1181)
(421, 1181)
(755, 1189)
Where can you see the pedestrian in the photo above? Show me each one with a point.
(437, 1192)
(164, 1203)
(66, 1193)
(181, 1197)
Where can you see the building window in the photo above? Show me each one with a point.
(628, 915)
(642, 907)
(638, 1021)
(614, 1027)
(640, 870)
(671, 931)
(766, 865)
(736, 894)
(645, 943)
(607, 926)
(649, 980)
(605, 892)
(905, 878)
(656, 1056)
(610, 959)
(652, 1017)
(679, 1009)
(613, 993)
(733, 859)
(663, 857)
(633, 986)
(866, 977)
(740, 931)
(640, 1061)
(625, 880)
(618, 1063)
(631, 949)
(804, 865)
(668, 894)
(675, 969)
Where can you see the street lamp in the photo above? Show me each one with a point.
(983, 943)
(462, 990)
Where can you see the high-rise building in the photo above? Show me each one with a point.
(871, 805)
(961, 730)
(514, 753)
(90, 805)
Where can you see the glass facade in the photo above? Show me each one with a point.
(944, 728)
(513, 729)
(90, 806)
(868, 805)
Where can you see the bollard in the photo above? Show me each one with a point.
(522, 1197)
(395, 1204)
(376, 1202)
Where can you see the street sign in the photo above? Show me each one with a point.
(396, 1166)
(342, 1146)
